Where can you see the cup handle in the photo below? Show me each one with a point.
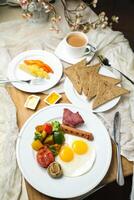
(89, 49)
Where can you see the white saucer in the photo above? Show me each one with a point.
(64, 55)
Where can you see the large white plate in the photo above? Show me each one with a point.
(82, 101)
(15, 73)
(64, 187)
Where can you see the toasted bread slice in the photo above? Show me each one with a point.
(74, 77)
(86, 75)
(94, 84)
(111, 80)
(78, 65)
(106, 92)
(78, 76)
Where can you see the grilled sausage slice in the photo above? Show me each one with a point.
(77, 132)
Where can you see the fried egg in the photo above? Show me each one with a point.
(76, 156)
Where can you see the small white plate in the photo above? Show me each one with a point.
(82, 101)
(64, 55)
(15, 73)
(64, 187)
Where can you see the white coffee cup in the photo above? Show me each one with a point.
(77, 45)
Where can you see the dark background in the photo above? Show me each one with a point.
(113, 192)
(125, 10)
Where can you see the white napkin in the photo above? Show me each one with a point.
(11, 181)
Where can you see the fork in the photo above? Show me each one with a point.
(3, 81)
(30, 81)
(106, 63)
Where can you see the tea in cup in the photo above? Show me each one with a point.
(76, 43)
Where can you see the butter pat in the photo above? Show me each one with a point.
(32, 102)
(52, 98)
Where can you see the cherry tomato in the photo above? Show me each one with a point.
(47, 127)
(45, 157)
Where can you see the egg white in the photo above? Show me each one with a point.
(80, 164)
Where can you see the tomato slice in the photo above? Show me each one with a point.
(47, 127)
(45, 157)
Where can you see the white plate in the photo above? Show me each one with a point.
(64, 187)
(64, 55)
(82, 101)
(15, 73)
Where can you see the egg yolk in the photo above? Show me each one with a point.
(80, 147)
(66, 154)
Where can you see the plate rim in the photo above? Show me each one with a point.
(17, 85)
(19, 162)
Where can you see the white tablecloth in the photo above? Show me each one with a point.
(17, 36)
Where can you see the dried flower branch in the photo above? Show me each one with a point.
(75, 17)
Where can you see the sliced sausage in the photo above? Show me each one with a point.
(77, 132)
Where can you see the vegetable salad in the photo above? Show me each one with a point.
(48, 139)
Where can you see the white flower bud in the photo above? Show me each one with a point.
(78, 20)
(106, 18)
(102, 19)
(46, 6)
(115, 19)
(95, 1)
(53, 19)
(106, 23)
(102, 14)
(59, 18)
(81, 6)
(93, 26)
(103, 25)
(94, 5)
(47, 11)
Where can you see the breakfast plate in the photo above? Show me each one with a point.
(66, 56)
(64, 187)
(15, 73)
(82, 101)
